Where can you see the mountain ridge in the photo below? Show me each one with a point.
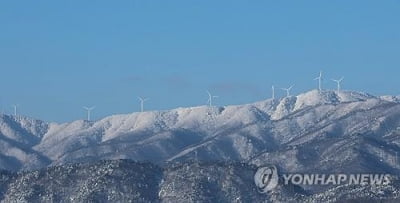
(237, 132)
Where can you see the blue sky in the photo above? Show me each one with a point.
(56, 57)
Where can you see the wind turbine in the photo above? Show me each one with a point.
(15, 106)
(338, 83)
(210, 98)
(142, 100)
(319, 78)
(287, 90)
(89, 109)
(273, 92)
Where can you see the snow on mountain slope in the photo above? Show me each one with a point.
(17, 137)
(22, 130)
(391, 98)
(314, 98)
(265, 130)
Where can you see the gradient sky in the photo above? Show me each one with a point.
(57, 56)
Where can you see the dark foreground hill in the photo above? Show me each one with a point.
(128, 181)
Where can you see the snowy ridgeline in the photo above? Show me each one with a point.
(309, 132)
(128, 181)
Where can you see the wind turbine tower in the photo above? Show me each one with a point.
(287, 90)
(89, 110)
(142, 100)
(15, 106)
(210, 98)
(273, 92)
(319, 78)
(338, 83)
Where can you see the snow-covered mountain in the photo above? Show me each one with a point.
(328, 132)
(311, 131)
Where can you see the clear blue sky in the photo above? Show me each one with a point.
(57, 56)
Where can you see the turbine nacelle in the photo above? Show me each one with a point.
(89, 108)
(143, 99)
